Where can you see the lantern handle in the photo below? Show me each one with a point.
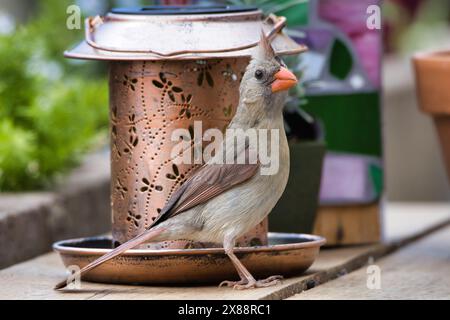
(91, 23)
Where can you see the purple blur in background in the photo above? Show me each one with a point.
(351, 17)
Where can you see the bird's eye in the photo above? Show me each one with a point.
(259, 74)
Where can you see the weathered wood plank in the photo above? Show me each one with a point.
(418, 271)
(404, 220)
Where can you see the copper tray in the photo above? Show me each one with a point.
(287, 254)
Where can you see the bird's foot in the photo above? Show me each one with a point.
(245, 284)
(277, 279)
(230, 284)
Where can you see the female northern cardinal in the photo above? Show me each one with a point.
(221, 202)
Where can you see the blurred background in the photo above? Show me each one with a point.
(54, 110)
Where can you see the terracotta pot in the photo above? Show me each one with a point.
(169, 66)
(433, 88)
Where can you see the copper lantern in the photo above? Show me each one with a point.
(169, 66)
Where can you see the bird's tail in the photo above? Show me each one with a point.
(145, 236)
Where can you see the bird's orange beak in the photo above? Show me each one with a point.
(284, 79)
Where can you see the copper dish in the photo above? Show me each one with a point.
(287, 254)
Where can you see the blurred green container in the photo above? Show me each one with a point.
(296, 211)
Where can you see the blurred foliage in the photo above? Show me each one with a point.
(423, 26)
(52, 110)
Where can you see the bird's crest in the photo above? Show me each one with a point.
(264, 50)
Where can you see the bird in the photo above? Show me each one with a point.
(220, 202)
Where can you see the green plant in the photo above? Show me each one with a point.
(49, 113)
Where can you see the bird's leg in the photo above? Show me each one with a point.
(247, 280)
(244, 274)
(228, 246)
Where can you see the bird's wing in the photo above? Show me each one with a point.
(210, 180)
(207, 182)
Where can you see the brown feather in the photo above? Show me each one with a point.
(207, 182)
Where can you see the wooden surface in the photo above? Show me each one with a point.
(406, 220)
(418, 271)
(35, 278)
(356, 224)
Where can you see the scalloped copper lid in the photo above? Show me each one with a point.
(183, 34)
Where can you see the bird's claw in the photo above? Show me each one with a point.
(245, 284)
(230, 284)
(276, 278)
(271, 281)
